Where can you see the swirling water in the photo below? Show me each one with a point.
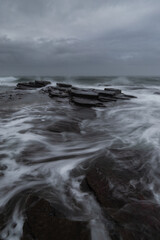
(38, 152)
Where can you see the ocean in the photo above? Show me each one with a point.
(39, 153)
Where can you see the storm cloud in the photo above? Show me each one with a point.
(73, 37)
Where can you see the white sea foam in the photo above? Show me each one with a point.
(8, 81)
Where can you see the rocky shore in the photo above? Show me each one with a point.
(113, 178)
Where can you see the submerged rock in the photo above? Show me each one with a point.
(44, 223)
(64, 126)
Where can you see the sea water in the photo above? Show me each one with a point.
(33, 157)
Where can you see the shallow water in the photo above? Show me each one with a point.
(42, 142)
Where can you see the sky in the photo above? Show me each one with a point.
(79, 37)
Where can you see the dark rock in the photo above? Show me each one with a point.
(42, 223)
(84, 94)
(57, 92)
(102, 84)
(3, 220)
(131, 207)
(122, 97)
(64, 85)
(139, 220)
(107, 99)
(32, 85)
(117, 93)
(113, 90)
(41, 83)
(129, 96)
(64, 126)
(111, 181)
(106, 93)
(86, 102)
(86, 97)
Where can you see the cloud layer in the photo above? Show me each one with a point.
(73, 37)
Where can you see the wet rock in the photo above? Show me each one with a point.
(32, 85)
(139, 220)
(84, 94)
(80, 96)
(85, 97)
(95, 97)
(53, 94)
(124, 197)
(41, 83)
(122, 97)
(112, 182)
(86, 102)
(112, 91)
(57, 92)
(64, 126)
(64, 85)
(129, 96)
(107, 99)
(43, 223)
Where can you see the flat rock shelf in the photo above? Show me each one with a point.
(85, 97)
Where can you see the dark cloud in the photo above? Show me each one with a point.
(57, 37)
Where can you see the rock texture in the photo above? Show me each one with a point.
(44, 223)
(32, 85)
(85, 97)
(124, 197)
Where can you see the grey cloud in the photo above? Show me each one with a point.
(56, 37)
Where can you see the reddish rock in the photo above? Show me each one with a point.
(42, 223)
(130, 208)
(139, 220)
